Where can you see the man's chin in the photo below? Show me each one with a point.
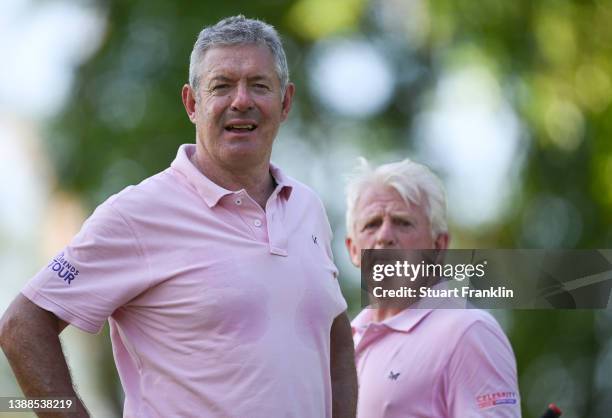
(244, 157)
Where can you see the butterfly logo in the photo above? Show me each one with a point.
(393, 376)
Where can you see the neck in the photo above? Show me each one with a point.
(256, 181)
(384, 312)
(388, 308)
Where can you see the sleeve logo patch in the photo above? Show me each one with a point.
(496, 398)
(64, 270)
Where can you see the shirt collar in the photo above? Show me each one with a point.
(212, 192)
(283, 183)
(404, 321)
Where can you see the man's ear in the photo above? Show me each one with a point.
(442, 241)
(189, 101)
(287, 100)
(437, 255)
(354, 252)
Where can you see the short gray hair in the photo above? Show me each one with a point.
(415, 182)
(238, 30)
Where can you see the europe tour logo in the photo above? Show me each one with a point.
(63, 268)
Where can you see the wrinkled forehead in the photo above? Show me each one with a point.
(384, 199)
(238, 58)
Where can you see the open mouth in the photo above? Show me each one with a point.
(240, 128)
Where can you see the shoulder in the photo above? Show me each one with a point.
(303, 199)
(157, 196)
(300, 193)
(151, 191)
(466, 317)
(143, 199)
(472, 316)
(466, 322)
(303, 192)
(476, 333)
(479, 319)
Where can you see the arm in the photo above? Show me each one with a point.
(29, 337)
(343, 373)
(482, 378)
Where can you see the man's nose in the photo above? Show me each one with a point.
(242, 100)
(385, 236)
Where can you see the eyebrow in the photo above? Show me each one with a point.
(371, 218)
(219, 78)
(394, 215)
(259, 78)
(229, 79)
(402, 215)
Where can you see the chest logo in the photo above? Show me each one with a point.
(315, 239)
(393, 376)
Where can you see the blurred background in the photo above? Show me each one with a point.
(510, 102)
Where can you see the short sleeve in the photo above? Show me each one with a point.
(482, 379)
(328, 234)
(101, 269)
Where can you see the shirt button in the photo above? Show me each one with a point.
(238, 201)
(257, 223)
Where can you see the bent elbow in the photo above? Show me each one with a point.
(8, 325)
(18, 324)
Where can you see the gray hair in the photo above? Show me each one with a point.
(415, 183)
(238, 30)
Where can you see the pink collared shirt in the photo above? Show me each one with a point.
(217, 308)
(437, 363)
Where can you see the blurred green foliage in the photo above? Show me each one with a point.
(553, 60)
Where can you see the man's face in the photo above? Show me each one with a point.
(238, 107)
(385, 221)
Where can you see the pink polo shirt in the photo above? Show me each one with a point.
(216, 308)
(438, 363)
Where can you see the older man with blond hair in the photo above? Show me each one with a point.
(415, 361)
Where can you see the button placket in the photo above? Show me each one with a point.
(276, 232)
(250, 213)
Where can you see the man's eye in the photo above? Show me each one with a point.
(403, 222)
(260, 86)
(371, 225)
(218, 87)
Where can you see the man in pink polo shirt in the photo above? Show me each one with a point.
(437, 363)
(216, 275)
